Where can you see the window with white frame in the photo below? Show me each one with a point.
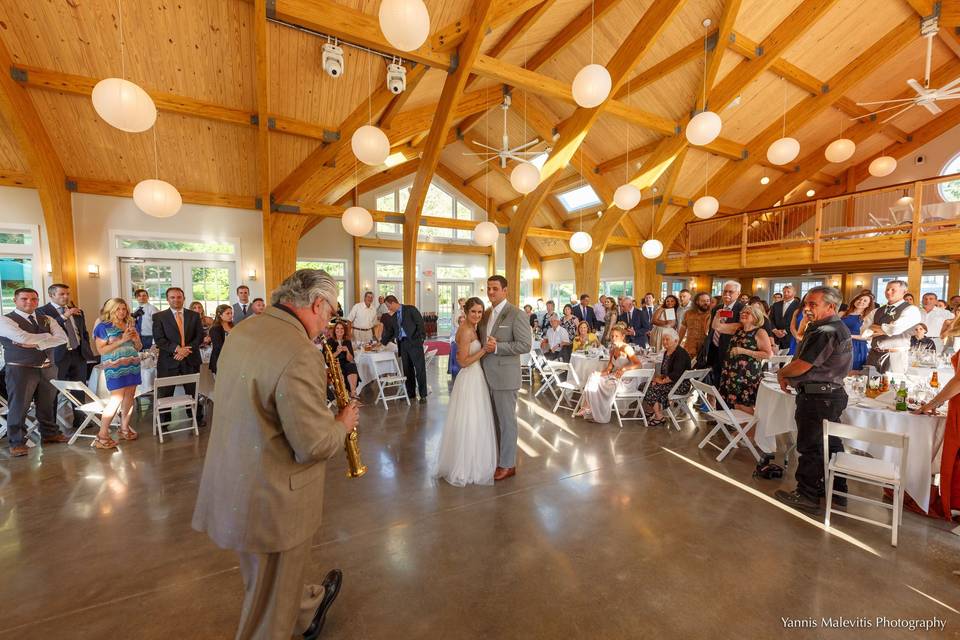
(616, 288)
(389, 276)
(929, 283)
(806, 285)
(778, 286)
(18, 264)
(562, 293)
(716, 288)
(336, 269)
(439, 202)
(950, 191)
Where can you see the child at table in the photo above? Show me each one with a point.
(119, 346)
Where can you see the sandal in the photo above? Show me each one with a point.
(128, 434)
(104, 443)
(656, 422)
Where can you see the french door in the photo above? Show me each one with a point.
(447, 295)
(208, 282)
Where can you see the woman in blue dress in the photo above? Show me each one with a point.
(797, 326)
(119, 346)
(859, 310)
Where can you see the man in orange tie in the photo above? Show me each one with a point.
(177, 333)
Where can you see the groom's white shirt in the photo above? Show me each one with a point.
(494, 315)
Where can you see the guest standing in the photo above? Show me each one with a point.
(742, 367)
(144, 317)
(178, 334)
(609, 318)
(636, 323)
(859, 313)
(241, 308)
(798, 325)
(569, 322)
(727, 312)
(205, 321)
(29, 370)
(601, 388)
(686, 303)
(600, 312)
(258, 306)
(342, 347)
(119, 346)
(696, 325)
(675, 362)
(261, 492)
(222, 326)
(362, 317)
(407, 330)
(664, 318)
(781, 315)
(893, 324)
(585, 313)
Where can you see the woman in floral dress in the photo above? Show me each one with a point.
(119, 346)
(742, 367)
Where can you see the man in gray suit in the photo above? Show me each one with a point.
(261, 493)
(505, 334)
(243, 308)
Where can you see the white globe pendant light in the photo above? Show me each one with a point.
(157, 198)
(124, 105)
(783, 151)
(485, 234)
(580, 242)
(370, 145)
(591, 86)
(840, 150)
(357, 221)
(703, 128)
(525, 177)
(882, 166)
(706, 207)
(651, 249)
(404, 23)
(626, 197)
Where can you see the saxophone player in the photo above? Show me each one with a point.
(261, 492)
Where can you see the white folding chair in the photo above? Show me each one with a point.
(168, 404)
(93, 406)
(880, 473)
(681, 401)
(629, 396)
(429, 356)
(733, 423)
(567, 384)
(773, 363)
(390, 384)
(548, 382)
(526, 369)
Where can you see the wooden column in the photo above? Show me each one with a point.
(536, 284)
(285, 230)
(273, 274)
(747, 285)
(645, 277)
(357, 294)
(953, 279)
(914, 273)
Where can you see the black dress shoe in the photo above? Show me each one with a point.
(798, 501)
(423, 401)
(331, 585)
(839, 501)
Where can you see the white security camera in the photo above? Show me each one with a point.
(333, 60)
(396, 78)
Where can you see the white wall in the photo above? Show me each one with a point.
(616, 265)
(936, 154)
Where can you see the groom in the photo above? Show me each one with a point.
(505, 334)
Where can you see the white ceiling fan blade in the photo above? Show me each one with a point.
(896, 106)
(525, 146)
(486, 146)
(916, 86)
(866, 104)
(950, 85)
(932, 107)
(907, 108)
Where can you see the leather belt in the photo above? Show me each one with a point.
(814, 388)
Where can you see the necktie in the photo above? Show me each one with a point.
(179, 317)
(243, 309)
(72, 338)
(33, 322)
(403, 334)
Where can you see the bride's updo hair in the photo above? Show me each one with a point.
(471, 303)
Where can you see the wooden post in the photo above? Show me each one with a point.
(914, 274)
(817, 228)
(917, 204)
(743, 240)
(357, 294)
(953, 280)
(844, 286)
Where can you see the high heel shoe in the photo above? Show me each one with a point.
(104, 443)
(128, 434)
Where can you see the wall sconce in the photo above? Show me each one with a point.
(836, 283)
(858, 284)
(251, 274)
(49, 269)
(93, 270)
(759, 285)
(429, 287)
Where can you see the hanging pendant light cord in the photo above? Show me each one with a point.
(626, 165)
(123, 63)
(592, 18)
(784, 134)
(706, 177)
(156, 155)
(369, 97)
(705, 35)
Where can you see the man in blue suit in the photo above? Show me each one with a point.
(585, 312)
(638, 326)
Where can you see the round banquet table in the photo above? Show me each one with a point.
(584, 365)
(367, 368)
(775, 415)
(98, 381)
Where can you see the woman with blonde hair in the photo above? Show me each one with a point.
(585, 339)
(610, 319)
(742, 367)
(119, 346)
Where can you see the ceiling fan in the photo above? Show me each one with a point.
(504, 153)
(926, 97)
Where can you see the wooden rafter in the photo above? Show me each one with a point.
(665, 67)
(398, 102)
(571, 31)
(448, 37)
(516, 31)
(668, 190)
(635, 154)
(715, 57)
(467, 52)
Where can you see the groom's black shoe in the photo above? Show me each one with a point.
(502, 473)
(332, 586)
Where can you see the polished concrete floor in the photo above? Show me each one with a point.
(602, 534)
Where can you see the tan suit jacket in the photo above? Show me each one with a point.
(263, 476)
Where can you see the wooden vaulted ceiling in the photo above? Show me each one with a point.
(816, 57)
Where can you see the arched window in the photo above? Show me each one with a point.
(950, 191)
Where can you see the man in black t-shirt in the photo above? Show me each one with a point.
(817, 371)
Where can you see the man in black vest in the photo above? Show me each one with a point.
(72, 358)
(177, 332)
(29, 370)
(780, 315)
(893, 325)
(408, 330)
(727, 312)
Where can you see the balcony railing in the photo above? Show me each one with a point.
(908, 209)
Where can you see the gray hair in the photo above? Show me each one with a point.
(669, 332)
(552, 316)
(899, 282)
(831, 295)
(304, 287)
(736, 285)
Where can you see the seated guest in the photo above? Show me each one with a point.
(741, 370)
(584, 339)
(258, 306)
(675, 362)
(696, 324)
(119, 346)
(342, 347)
(600, 388)
(919, 339)
(221, 328)
(556, 341)
(531, 316)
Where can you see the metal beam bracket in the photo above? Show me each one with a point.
(825, 88)
(454, 62)
(759, 50)
(254, 119)
(330, 136)
(18, 74)
(271, 8)
(744, 154)
(258, 201)
(711, 43)
(271, 123)
(658, 200)
(71, 185)
(286, 208)
(460, 135)
(394, 219)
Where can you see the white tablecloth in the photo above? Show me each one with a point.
(367, 369)
(585, 365)
(775, 415)
(148, 375)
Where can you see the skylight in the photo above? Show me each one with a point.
(579, 198)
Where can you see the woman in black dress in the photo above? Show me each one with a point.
(675, 362)
(342, 347)
(219, 330)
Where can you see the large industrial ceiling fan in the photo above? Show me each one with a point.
(504, 153)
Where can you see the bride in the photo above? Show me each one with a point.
(468, 444)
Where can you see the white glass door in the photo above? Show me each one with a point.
(207, 282)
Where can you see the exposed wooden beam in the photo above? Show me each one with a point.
(668, 190)
(635, 154)
(125, 190)
(516, 32)
(280, 258)
(573, 30)
(388, 115)
(383, 178)
(38, 150)
(16, 179)
(438, 247)
(480, 16)
(665, 67)
(715, 57)
(448, 37)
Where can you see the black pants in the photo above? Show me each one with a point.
(73, 367)
(26, 385)
(183, 368)
(414, 367)
(812, 410)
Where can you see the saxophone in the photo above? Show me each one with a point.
(355, 468)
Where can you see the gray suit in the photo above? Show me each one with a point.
(502, 371)
(238, 312)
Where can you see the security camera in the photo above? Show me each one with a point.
(396, 78)
(333, 60)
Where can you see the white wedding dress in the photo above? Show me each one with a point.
(468, 444)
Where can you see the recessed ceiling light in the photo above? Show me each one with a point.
(810, 193)
(765, 180)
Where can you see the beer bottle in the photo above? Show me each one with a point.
(934, 380)
(902, 397)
